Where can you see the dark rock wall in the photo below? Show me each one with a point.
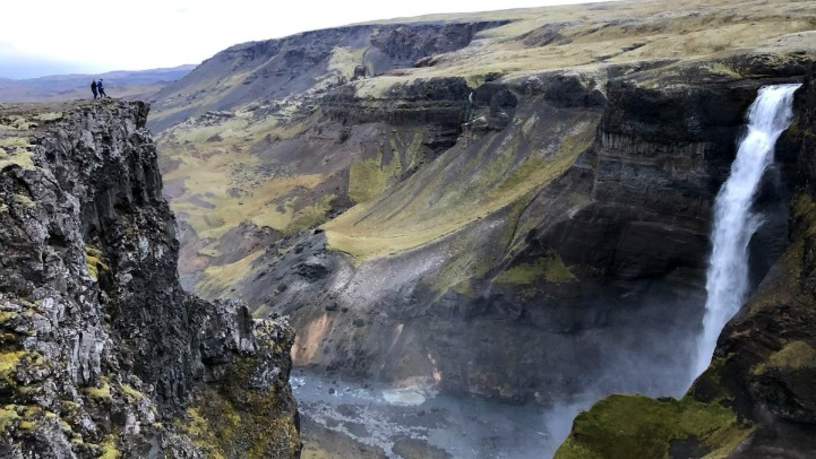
(494, 308)
(758, 390)
(103, 353)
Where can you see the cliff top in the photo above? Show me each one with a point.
(89, 256)
(20, 121)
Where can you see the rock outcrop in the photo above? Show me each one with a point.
(756, 400)
(103, 354)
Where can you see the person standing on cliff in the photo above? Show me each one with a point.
(101, 89)
(93, 89)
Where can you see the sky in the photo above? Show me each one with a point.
(41, 37)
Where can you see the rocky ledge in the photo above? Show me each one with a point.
(102, 354)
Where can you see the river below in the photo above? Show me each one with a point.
(350, 419)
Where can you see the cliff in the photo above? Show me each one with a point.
(521, 213)
(103, 354)
(756, 398)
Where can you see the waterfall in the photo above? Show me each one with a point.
(734, 223)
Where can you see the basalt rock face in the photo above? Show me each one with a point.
(570, 213)
(756, 398)
(103, 354)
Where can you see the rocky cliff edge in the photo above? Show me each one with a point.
(102, 354)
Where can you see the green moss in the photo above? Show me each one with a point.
(635, 426)
(234, 421)
(24, 201)
(711, 385)
(48, 116)
(94, 261)
(14, 151)
(103, 392)
(110, 450)
(6, 316)
(131, 393)
(202, 434)
(8, 417)
(369, 178)
(795, 355)
(8, 365)
(310, 216)
(549, 268)
(27, 425)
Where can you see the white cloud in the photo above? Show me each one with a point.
(110, 35)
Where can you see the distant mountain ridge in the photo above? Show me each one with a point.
(131, 84)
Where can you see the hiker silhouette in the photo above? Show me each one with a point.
(93, 89)
(101, 88)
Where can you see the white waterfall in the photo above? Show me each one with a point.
(734, 223)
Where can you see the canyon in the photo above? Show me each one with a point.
(467, 229)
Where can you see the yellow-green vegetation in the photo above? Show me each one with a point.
(8, 366)
(623, 427)
(344, 60)
(235, 421)
(15, 151)
(8, 417)
(469, 260)
(785, 287)
(549, 268)
(460, 269)
(218, 278)
(221, 191)
(6, 316)
(103, 392)
(310, 216)
(200, 431)
(369, 178)
(613, 33)
(24, 201)
(94, 261)
(48, 116)
(27, 425)
(17, 123)
(466, 184)
(110, 450)
(374, 88)
(794, 356)
(131, 393)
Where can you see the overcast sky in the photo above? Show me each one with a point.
(40, 37)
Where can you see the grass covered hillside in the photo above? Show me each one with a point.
(514, 205)
(259, 150)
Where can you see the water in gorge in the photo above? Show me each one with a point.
(734, 222)
(353, 419)
(345, 415)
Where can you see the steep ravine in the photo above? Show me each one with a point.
(521, 214)
(600, 181)
(103, 354)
